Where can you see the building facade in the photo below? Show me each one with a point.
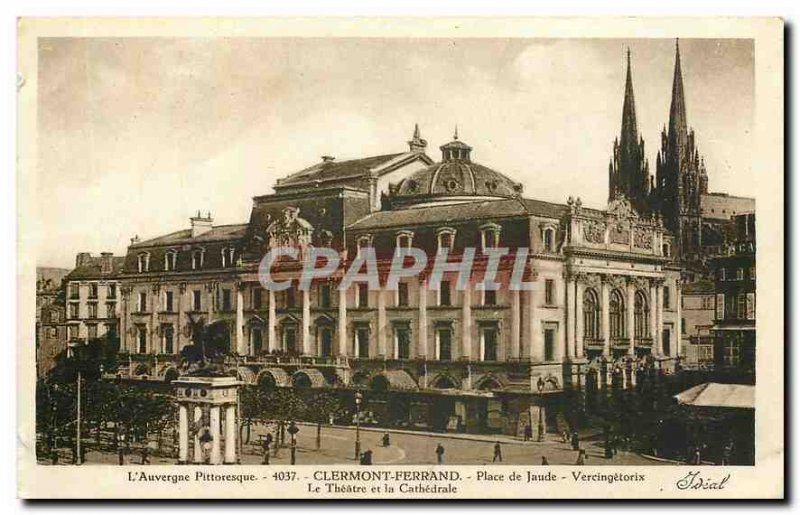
(92, 292)
(698, 319)
(602, 304)
(734, 327)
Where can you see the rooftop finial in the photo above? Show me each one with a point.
(455, 133)
(417, 144)
(416, 131)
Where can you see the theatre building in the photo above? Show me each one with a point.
(603, 303)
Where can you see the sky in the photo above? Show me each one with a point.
(135, 135)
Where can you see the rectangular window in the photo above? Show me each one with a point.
(226, 299)
(74, 291)
(91, 331)
(489, 297)
(402, 294)
(444, 293)
(111, 293)
(142, 307)
(363, 295)
(141, 337)
(93, 290)
(720, 314)
(362, 342)
(73, 310)
(549, 344)
(197, 300)
(549, 286)
(324, 295)
(730, 353)
(445, 337)
(72, 332)
(751, 306)
(683, 326)
(111, 309)
(489, 344)
(257, 297)
(666, 297)
(403, 337)
(92, 309)
(741, 306)
(752, 273)
(740, 274)
(168, 295)
(111, 329)
(168, 335)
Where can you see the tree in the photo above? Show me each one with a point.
(321, 407)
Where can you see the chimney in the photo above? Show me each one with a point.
(106, 262)
(327, 159)
(201, 224)
(82, 259)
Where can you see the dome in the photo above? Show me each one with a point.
(455, 178)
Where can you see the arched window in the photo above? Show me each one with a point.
(445, 237)
(363, 242)
(198, 256)
(666, 250)
(591, 315)
(548, 239)
(490, 236)
(403, 239)
(641, 316)
(616, 308)
(227, 256)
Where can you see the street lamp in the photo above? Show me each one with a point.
(358, 424)
(540, 427)
(293, 429)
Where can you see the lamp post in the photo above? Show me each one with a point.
(293, 429)
(359, 397)
(540, 426)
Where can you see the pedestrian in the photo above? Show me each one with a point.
(544, 460)
(386, 439)
(439, 454)
(565, 436)
(145, 455)
(266, 445)
(528, 432)
(367, 457)
(696, 459)
(576, 442)
(498, 455)
(54, 456)
(581, 457)
(121, 455)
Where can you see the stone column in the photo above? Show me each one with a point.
(659, 318)
(422, 338)
(183, 433)
(210, 290)
(381, 326)
(305, 336)
(216, 444)
(629, 316)
(154, 339)
(570, 329)
(605, 314)
(230, 434)
(536, 344)
(466, 323)
(198, 449)
(272, 343)
(178, 333)
(653, 317)
(679, 310)
(579, 332)
(515, 324)
(241, 344)
(342, 327)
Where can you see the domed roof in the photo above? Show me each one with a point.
(456, 176)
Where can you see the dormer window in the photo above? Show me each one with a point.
(490, 236)
(198, 257)
(548, 239)
(227, 256)
(445, 236)
(403, 239)
(363, 242)
(170, 260)
(144, 262)
(666, 250)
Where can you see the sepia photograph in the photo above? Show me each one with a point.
(273, 251)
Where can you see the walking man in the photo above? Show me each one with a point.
(581, 457)
(145, 455)
(576, 442)
(498, 455)
(439, 454)
(544, 460)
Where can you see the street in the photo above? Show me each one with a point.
(338, 444)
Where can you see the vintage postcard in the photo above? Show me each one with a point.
(401, 258)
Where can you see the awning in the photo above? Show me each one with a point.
(315, 377)
(718, 395)
(279, 375)
(398, 379)
(733, 328)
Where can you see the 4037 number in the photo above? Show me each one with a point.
(284, 475)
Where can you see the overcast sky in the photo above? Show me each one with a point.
(137, 134)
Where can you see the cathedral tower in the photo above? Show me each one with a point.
(628, 170)
(680, 174)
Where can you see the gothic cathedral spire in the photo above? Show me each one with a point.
(629, 173)
(678, 127)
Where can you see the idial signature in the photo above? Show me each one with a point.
(694, 481)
